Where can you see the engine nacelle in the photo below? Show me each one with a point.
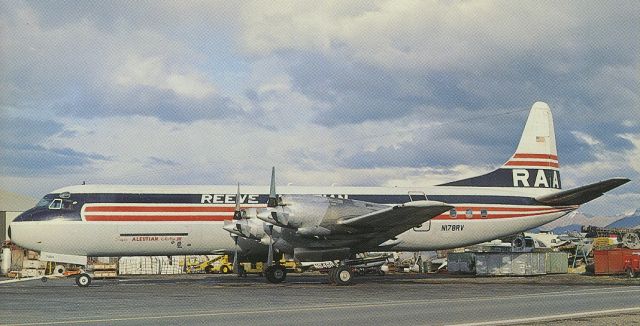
(297, 211)
(247, 228)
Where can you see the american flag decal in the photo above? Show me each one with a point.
(539, 139)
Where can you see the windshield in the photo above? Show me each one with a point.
(44, 202)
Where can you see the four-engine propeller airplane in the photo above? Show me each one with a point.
(309, 223)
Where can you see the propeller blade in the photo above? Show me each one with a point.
(235, 256)
(273, 197)
(270, 255)
(237, 214)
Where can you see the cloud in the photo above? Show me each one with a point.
(23, 144)
(152, 72)
(78, 67)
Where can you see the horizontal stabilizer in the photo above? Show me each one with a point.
(581, 195)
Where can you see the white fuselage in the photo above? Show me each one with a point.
(114, 228)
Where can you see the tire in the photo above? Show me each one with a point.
(44, 279)
(344, 276)
(332, 275)
(59, 269)
(225, 270)
(276, 274)
(208, 269)
(241, 271)
(381, 272)
(83, 280)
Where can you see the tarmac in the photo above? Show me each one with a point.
(388, 300)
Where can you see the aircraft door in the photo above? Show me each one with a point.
(424, 227)
(417, 195)
(420, 195)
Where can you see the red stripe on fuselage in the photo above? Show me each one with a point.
(155, 218)
(176, 209)
(462, 216)
(507, 209)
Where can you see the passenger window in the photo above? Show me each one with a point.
(56, 204)
(453, 213)
(469, 213)
(484, 213)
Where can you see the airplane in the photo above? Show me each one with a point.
(309, 223)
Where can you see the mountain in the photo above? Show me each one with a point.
(573, 221)
(631, 222)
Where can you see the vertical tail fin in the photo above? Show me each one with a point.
(535, 162)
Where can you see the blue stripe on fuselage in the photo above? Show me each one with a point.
(262, 199)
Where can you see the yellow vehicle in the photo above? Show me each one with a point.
(258, 268)
(223, 265)
(220, 264)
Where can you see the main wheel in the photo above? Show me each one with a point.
(241, 271)
(332, 275)
(225, 270)
(276, 274)
(208, 269)
(344, 276)
(83, 280)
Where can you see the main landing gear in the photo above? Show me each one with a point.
(275, 273)
(341, 275)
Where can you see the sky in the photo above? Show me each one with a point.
(361, 93)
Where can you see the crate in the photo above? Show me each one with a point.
(26, 264)
(105, 274)
(31, 272)
(102, 267)
(557, 262)
(461, 263)
(522, 264)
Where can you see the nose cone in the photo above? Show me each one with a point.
(24, 234)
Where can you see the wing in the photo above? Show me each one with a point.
(404, 216)
(581, 195)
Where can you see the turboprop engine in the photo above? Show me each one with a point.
(300, 212)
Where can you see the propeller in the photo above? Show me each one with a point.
(273, 197)
(237, 213)
(235, 254)
(268, 228)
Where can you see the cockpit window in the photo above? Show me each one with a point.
(44, 202)
(56, 204)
